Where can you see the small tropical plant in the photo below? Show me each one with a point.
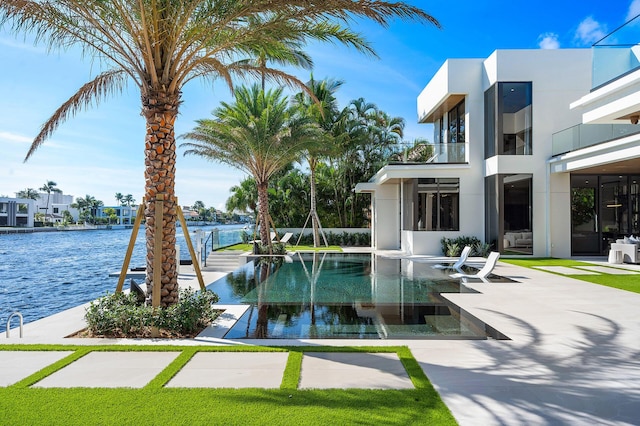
(120, 315)
(453, 250)
(481, 249)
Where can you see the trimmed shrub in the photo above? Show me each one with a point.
(119, 315)
(460, 243)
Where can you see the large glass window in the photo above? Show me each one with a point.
(509, 213)
(508, 119)
(604, 208)
(438, 204)
(457, 124)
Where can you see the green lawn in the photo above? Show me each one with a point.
(623, 282)
(155, 404)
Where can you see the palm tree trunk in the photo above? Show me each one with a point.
(263, 209)
(314, 214)
(160, 110)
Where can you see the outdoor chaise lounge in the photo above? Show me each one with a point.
(629, 249)
(458, 264)
(286, 237)
(483, 273)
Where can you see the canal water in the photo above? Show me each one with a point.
(43, 273)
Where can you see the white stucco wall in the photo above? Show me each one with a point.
(387, 218)
(558, 78)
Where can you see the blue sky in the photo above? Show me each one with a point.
(100, 151)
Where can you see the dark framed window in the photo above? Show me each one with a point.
(457, 124)
(438, 204)
(508, 119)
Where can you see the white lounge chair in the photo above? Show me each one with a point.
(483, 273)
(286, 237)
(458, 264)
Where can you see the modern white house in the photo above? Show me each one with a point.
(17, 212)
(54, 205)
(125, 215)
(512, 155)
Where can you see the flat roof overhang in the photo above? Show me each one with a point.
(441, 108)
(365, 188)
(394, 173)
(619, 156)
(613, 103)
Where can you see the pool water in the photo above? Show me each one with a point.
(351, 296)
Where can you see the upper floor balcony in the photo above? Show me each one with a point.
(432, 153)
(617, 54)
(584, 135)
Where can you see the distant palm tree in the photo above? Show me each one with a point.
(88, 206)
(258, 134)
(119, 198)
(244, 198)
(49, 187)
(29, 193)
(161, 45)
(129, 200)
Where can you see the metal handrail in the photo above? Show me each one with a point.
(19, 315)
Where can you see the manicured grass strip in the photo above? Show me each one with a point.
(417, 376)
(291, 376)
(172, 369)
(622, 282)
(82, 406)
(50, 369)
(155, 404)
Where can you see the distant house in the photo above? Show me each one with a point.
(17, 212)
(126, 215)
(534, 152)
(57, 204)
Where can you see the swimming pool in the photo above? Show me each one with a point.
(347, 296)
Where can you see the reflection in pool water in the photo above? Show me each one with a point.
(355, 296)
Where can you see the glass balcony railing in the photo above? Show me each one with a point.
(439, 153)
(584, 135)
(617, 54)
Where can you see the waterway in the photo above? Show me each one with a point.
(43, 273)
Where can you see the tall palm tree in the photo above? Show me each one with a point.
(49, 187)
(320, 103)
(161, 45)
(119, 198)
(259, 134)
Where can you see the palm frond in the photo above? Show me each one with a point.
(103, 85)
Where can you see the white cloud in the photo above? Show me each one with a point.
(15, 138)
(20, 45)
(589, 31)
(548, 41)
(634, 9)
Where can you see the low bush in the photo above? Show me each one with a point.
(120, 315)
(345, 239)
(452, 247)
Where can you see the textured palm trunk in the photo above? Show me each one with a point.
(263, 209)
(160, 110)
(314, 213)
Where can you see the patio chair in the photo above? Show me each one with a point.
(458, 264)
(483, 273)
(286, 237)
